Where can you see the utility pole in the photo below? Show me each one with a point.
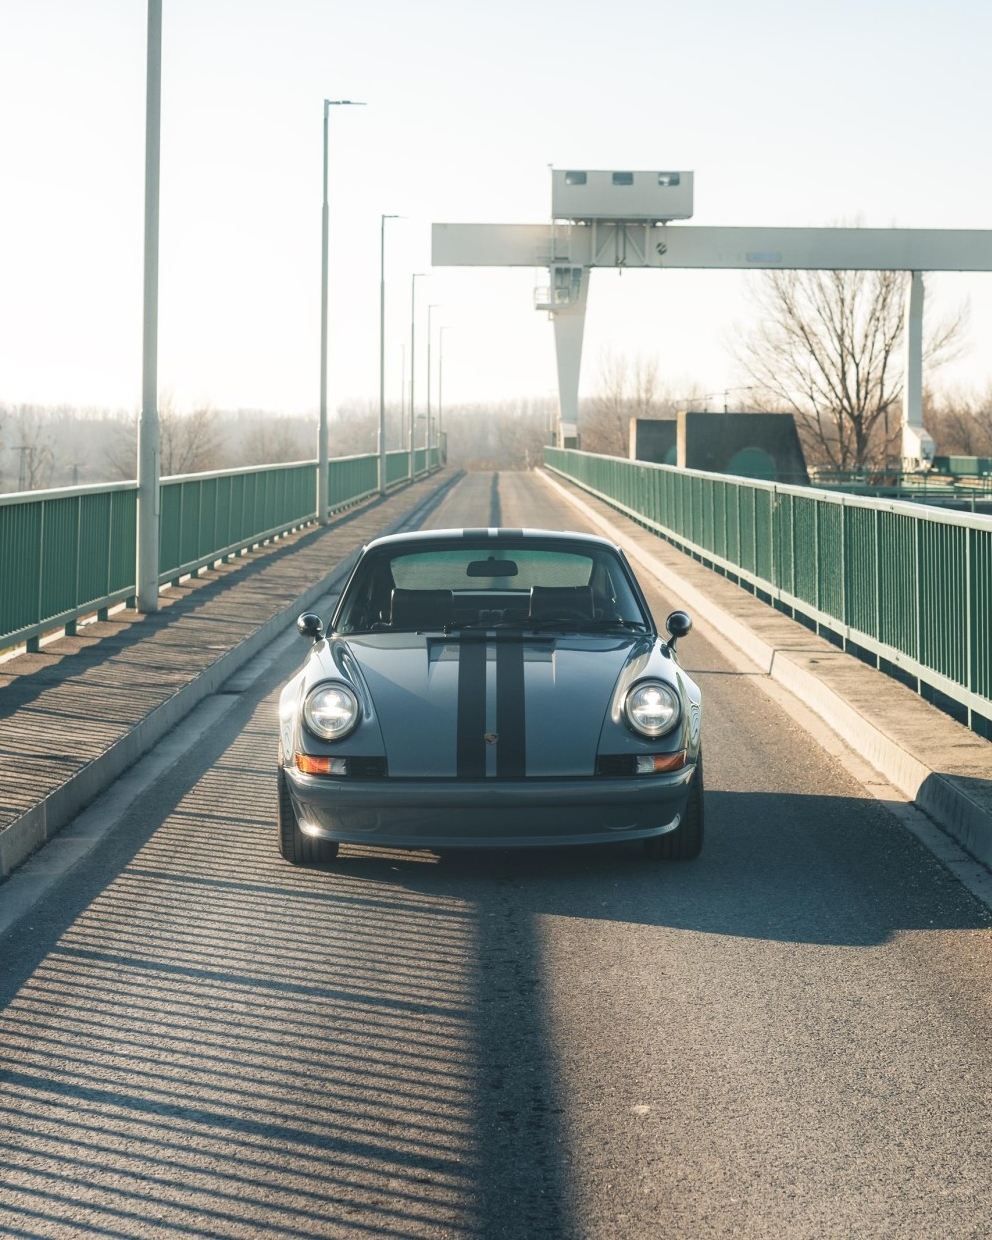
(322, 500)
(148, 442)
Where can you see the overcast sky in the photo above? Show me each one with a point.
(850, 111)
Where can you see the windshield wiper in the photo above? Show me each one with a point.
(485, 625)
(586, 626)
(632, 626)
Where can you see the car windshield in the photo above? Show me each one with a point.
(490, 585)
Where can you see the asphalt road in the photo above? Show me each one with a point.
(789, 1037)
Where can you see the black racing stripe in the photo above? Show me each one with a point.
(511, 749)
(471, 753)
(482, 532)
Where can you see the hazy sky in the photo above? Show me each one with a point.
(788, 113)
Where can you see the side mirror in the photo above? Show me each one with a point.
(678, 624)
(309, 625)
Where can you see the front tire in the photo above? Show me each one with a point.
(297, 848)
(686, 841)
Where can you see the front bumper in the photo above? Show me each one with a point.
(434, 813)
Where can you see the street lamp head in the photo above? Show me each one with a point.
(344, 103)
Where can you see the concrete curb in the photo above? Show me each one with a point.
(945, 798)
(39, 824)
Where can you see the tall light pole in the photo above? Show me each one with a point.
(147, 560)
(382, 350)
(440, 378)
(430, 311)
(402, 386)
(413, 366)
(322, 424)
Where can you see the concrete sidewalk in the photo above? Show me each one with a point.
(75, 715)
(940, 765)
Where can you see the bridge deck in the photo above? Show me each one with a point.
(78, 713)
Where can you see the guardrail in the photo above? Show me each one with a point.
(909, 585)
(69, 553)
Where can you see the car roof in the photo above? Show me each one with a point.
(482, 536)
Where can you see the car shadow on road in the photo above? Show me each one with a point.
(789, 868)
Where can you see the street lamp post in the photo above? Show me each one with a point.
(322, 424)
(430, 311)
(402, 386)
(413, 367)
(382, 350)
(440, 380)
(147, 533)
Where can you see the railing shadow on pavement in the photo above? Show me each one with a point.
(210, 1039)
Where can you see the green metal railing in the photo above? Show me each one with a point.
(908, 584)
(205, 517)
(71, 552)
(59, 549)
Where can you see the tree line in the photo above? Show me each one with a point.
(44, 447)
(823, 346)
(55, 446)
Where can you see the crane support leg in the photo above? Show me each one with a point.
(570, 324)
(917, 446)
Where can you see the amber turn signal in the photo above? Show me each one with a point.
(657, 763)
(309, 764)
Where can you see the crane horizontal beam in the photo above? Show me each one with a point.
(629, 245)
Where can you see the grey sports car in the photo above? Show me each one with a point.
(490, 688)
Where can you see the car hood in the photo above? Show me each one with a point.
(508, 706)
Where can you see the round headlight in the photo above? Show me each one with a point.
(652, 708)
(331, 711)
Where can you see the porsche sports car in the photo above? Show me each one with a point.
(490, 688)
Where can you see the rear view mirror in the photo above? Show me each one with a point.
(678, 624)
(492, 568)
(309, 625)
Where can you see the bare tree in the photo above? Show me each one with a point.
(354, 429)
(268, 439)
(828, 348)
(627, 389)
(188, 442)
(118, 434)
(960, 423)
(33, 443)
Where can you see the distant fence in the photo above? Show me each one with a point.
(908, 584)
(71, 552)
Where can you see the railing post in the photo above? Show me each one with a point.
(878, 582)
(971, 541)
(844, 569)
